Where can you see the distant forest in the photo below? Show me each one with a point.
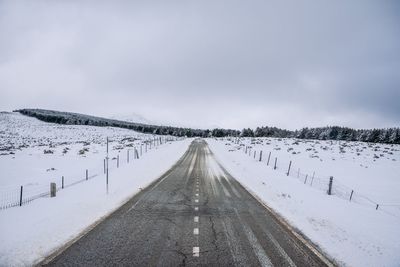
(389, 136)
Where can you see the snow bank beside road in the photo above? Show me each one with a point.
(31, 232)
(352, 234)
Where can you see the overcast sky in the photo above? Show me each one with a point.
(202, 63)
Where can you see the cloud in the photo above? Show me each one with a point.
(206, 63)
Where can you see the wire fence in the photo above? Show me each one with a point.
(14, 196)
(327, 184)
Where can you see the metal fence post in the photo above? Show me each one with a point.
(288, 171)
(260, 155)
(312, 179)
(269, 156)
(117, 161)
(127, 156)
(351, 195)
(305, 180)
(87, 175)
(62, 182)
(276, 159)
(20, 196)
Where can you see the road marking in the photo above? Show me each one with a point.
(196, 200)
(196, 219)
(196, 251)
(197, 194)
(280, 250)
(256, 246)
(196, 208)
(223, 187)
(151, 189)
(196, 231)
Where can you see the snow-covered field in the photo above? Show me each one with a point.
(353, 232)
(35, 153)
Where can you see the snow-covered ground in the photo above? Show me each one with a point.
(23, 161)
(34, 153)
(353, 233)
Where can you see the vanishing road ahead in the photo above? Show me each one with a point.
(195, 214)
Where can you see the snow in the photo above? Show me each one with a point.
(33, 231)
(353, 233)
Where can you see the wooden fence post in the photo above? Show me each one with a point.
(269, 156)
(305, 180)
(276, 159)
(351, 195)
(87, 175)
(53, 189)
(330, 185)
(260, 155)
(62, 182)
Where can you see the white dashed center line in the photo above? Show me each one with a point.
(196, 200)
(196, 208)
(196, 231)
(196, 219)
(196, 251)
(197, 194)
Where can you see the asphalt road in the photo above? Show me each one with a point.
(190, 216)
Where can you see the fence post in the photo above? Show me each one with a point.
(141, 145)
(269, 156)
(245, 151)
(53, 189)
(305, 180)
(62, 182)
(127, 156)
(87, 175)
(330, 185)
(107, 168)
(276, 159)
(288, 171)
(254, 154)
(117, 161)
(377, 206)
(20, 196)
(260, 155)
(351, 195)
(312, 179)
(104, 166)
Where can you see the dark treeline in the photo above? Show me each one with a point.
(390, 136)
(81, 119)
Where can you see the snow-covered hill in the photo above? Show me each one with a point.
(133, 117)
